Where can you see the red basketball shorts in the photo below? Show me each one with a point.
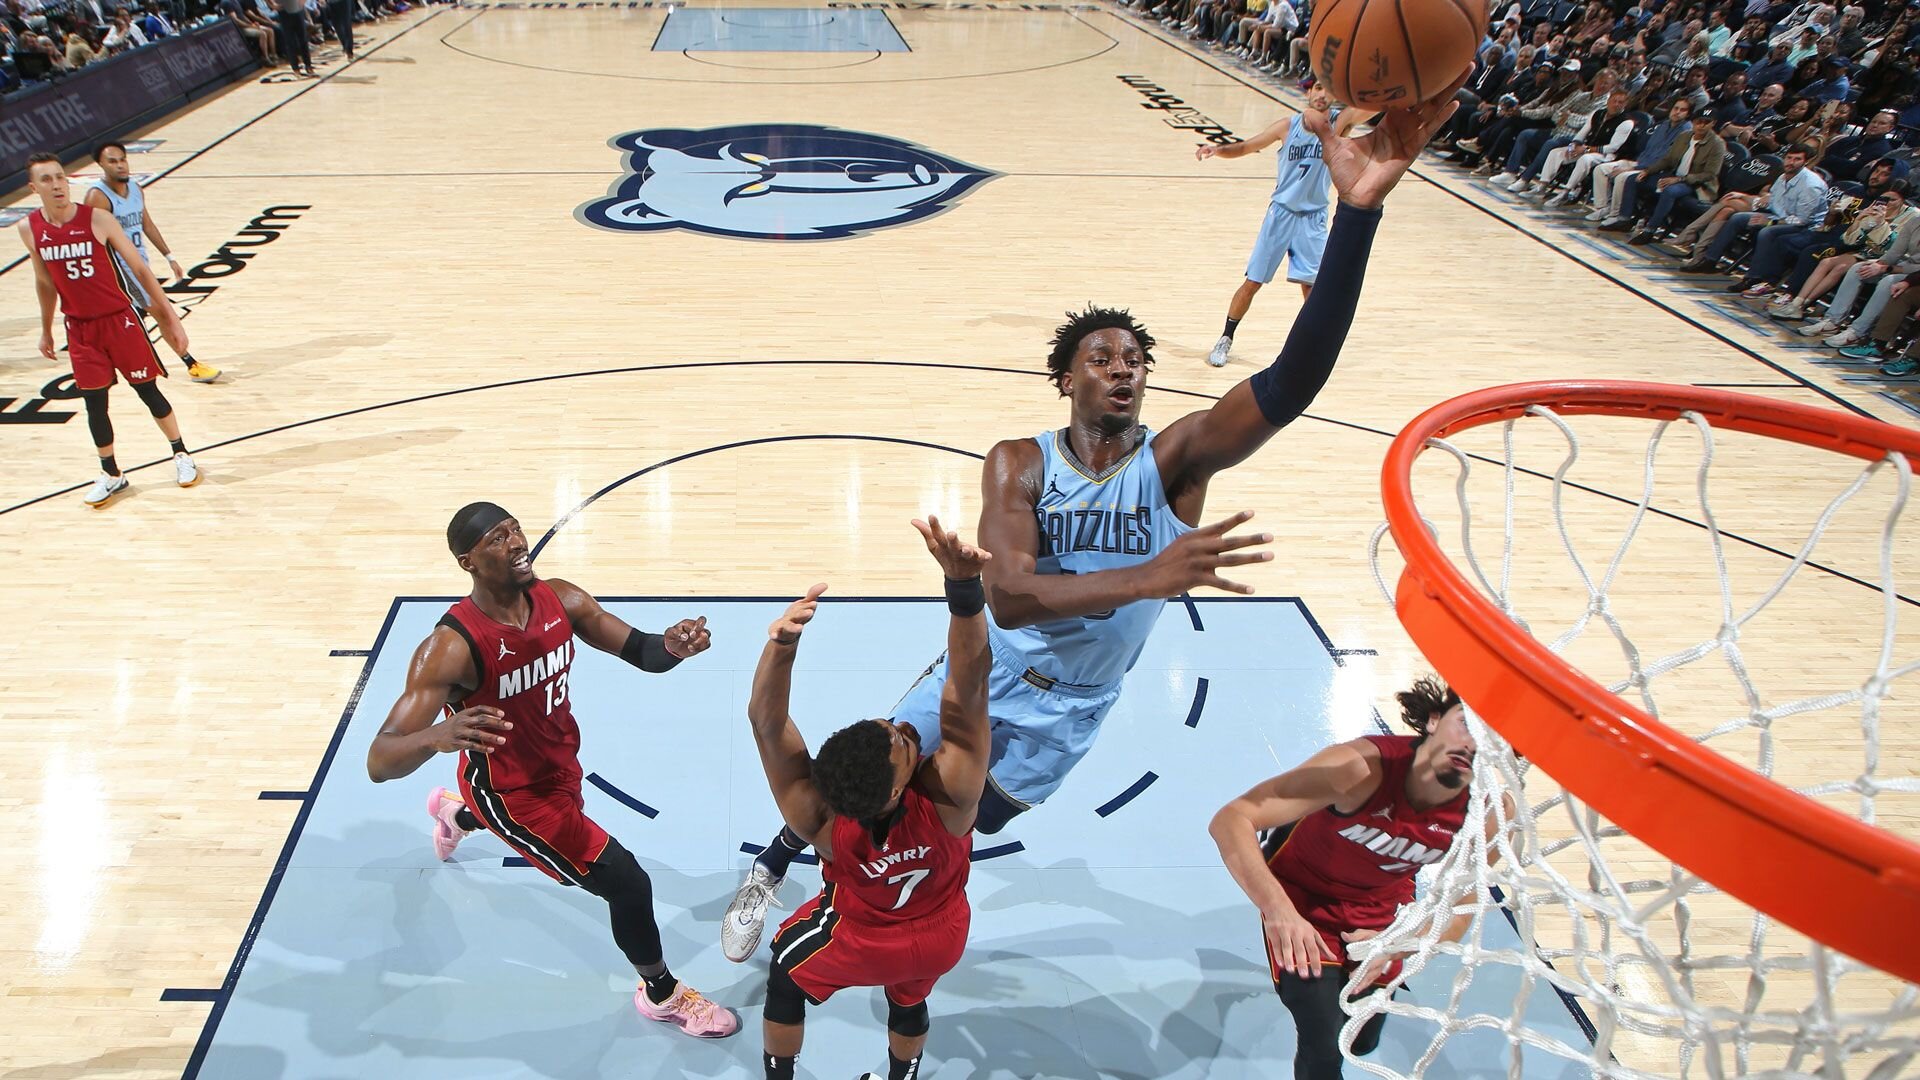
(101, 346)
(1333, 917)
(547, 826)
(824, 953)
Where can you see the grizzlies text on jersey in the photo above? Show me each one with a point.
(1089, 523)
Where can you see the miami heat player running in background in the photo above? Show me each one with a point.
(893, 830)
(497, 667)
(1094, 526)
(73, 249)
(1353, 824)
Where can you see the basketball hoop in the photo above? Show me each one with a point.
(1630, 778)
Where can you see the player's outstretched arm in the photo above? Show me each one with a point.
(1341, 776)
(440, 667)
(957, 772)
(1019, 596)
(1364, 170)
(609, 633)
(783, 753)
(1273, 134)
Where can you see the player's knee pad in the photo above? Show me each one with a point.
(156, 402)
(98, 424)
(616, 876)
(786, 1004)
(909, 1021)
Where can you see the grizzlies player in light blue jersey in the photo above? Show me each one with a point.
(119, 194)
(1295, 228)
(1095, 526)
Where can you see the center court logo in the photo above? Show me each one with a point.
(777, 182)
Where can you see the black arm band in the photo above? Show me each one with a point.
(967, 597)
(1287, 386)
(648, 652)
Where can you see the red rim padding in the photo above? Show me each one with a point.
(1845, 883)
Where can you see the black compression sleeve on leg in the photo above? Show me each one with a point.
(156, 402)
(785, 1003)
(648, 652)
(1317, 1020)
(616, 878)
(910, 1021)
(99, 425)
(1288, 385)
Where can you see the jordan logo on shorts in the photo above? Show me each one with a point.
(127, 324)
(504, 652)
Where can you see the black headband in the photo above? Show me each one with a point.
(470, 523)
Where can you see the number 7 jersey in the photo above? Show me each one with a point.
(523, 673)
(918, 872)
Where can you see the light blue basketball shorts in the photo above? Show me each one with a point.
(1300, 238)
(1039, 735)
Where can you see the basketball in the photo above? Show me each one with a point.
(1383, 53)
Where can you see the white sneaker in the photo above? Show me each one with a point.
(1559, 200)
(1823, 328)
(1845, 338)
(1597, 215)
(185, 471)
(1218, 357)
(103, 490)
(1503, 179)
(746, 916)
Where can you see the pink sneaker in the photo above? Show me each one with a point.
(690, 1012)
(443, 804)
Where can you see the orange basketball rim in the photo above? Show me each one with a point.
(1736, 829)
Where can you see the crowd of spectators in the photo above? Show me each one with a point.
(1769, 140)
(45, 40)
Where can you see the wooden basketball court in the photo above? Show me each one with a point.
(431, 278)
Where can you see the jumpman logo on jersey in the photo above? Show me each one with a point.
(505, 652)
(1053, 491)
(1384, 812)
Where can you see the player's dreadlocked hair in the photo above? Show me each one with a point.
(1066, 339)
(854, 770)
(1428, 698)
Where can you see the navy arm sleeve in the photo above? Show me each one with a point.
(1288, 385)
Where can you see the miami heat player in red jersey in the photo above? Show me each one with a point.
(893, 830)
(497, 674)
(72, 248)
(1355, 822)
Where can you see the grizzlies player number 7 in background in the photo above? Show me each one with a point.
(1095, 526)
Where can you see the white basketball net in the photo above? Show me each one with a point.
(1620, 931)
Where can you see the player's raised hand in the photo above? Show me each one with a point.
(481, 728)
(1297, 946)
(688, 637)
(786, 629)
(1364, 168)
(958, 560)
(1197, 558)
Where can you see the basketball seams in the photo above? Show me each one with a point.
(1321, 20)
(1346, 77)
(1413, 59)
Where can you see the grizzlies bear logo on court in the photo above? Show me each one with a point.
(777, 182)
